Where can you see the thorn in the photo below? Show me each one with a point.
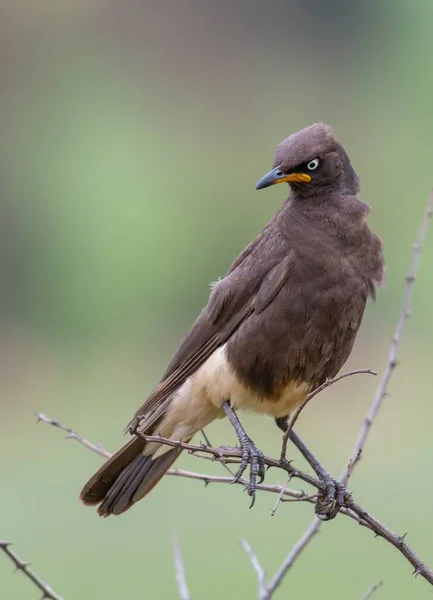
(417, 572)
(401, 538)
(206, 482)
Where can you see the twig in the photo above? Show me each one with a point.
(353, 461)
(21, 565)
(382, 388)
(354, 511)
(371, 591)
(223, 455)
(233, 455)
(257, 568)
(264, 487)
(180, 570)
(280, 496)
(398, 541)
(290, 559)
(73, 436)
(277, 489)
(381, 391)
(310, 396)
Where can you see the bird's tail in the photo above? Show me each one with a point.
(126, 477)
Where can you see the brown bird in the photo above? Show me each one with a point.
(281, 322)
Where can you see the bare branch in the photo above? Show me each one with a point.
(215, 456)
(257, 568)
(73, 436)
(232, 456)
(352, 510)
(353, 461)
(222, 455)
(382, 388)
(398, 541)
(280, 496)
(291, 557)
(310, 396)
(21, 565)
(275, 489)
(180, 570)
(371, 591)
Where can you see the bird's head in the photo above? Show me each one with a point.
(312, 160)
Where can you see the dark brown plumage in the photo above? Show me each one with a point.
(282, 321)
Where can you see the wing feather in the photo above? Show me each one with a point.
(233, 299)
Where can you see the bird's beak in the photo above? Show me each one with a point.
(274, 177)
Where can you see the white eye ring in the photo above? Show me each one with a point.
(313, 164)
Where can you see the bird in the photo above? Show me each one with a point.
(281, 322)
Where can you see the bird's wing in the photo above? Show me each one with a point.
(250, 285)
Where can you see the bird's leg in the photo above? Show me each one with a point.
(250, 454)
(333, 494)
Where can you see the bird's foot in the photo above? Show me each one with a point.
(255, 457)
(331, 498)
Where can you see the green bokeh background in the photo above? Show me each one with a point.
(132, 137)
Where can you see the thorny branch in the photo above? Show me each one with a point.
(352, 510)
(223, 455)
(74, 436)
(310, 396)
(21, 565)
(233, 456)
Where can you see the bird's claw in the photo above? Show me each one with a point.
(332, 497)
(253, 456)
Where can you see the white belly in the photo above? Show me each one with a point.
(199, 400)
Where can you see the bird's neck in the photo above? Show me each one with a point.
(331, 211)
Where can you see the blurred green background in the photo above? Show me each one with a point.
(133, 134)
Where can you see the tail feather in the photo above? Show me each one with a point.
(126, 477)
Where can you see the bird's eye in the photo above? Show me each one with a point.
(313, 164)
(279, 173)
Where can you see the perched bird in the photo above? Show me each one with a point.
(281, 322)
